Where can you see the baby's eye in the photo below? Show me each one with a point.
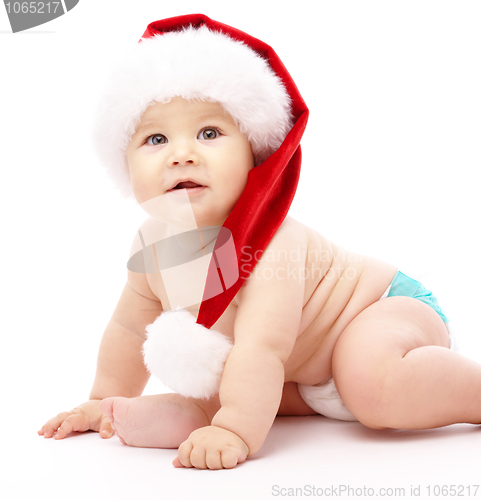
(208, 134)
(155, 140)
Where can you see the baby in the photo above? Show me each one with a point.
(203, 127)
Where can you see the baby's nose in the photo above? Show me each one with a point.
(186, 161)
(184, 154)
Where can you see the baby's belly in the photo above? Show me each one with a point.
(331, 307)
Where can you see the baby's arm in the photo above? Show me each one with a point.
(120, 366)
(266, 328)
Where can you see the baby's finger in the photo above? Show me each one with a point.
(75, 422)
(197, 457)
(213, 460)
(177, 463)
(53, 424)
(229, 459)
(184, 452)
(105, 429)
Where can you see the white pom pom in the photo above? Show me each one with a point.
(187, 357)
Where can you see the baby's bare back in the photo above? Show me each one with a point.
(338, 285)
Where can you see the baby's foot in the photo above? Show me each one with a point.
(160, 421)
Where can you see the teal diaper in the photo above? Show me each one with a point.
(405, 286)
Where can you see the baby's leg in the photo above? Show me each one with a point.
(159, 421)
(393, 368)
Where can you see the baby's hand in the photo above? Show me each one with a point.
(82, 418)
(211, 448)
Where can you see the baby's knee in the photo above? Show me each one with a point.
(361, 387)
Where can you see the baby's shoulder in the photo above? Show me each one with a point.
(277, 277)
(299, 239)
(290, 233)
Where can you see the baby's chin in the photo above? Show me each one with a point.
(171, 208)
(179, 209)
(206, 216)
(209, 222)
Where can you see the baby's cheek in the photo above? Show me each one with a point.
(141, 188)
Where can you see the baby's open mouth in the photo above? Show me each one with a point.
(187, 184)
(192, 187)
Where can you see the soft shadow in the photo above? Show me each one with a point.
(292, 432)
(75, 434)
(396, 435)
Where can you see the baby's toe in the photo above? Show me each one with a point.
(107, 408)
(116, 410)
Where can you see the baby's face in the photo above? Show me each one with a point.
(190, 141)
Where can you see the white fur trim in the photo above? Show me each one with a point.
(187, 357)
(194, 64)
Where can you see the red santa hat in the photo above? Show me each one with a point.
(195, 57)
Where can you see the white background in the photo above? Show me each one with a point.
(391, 163)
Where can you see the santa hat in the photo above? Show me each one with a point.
(193, 60)
(195, 57)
